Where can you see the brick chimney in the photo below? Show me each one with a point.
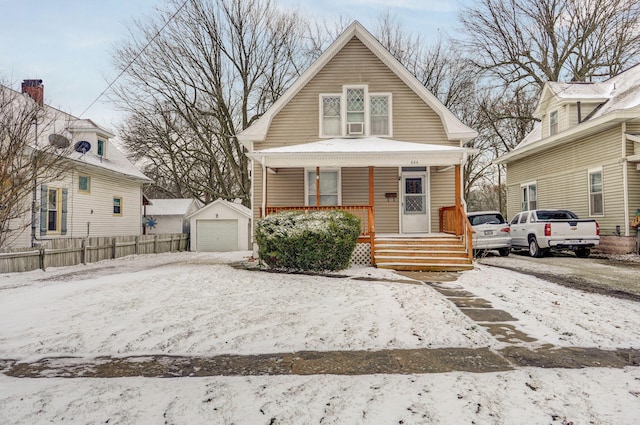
(35, 89)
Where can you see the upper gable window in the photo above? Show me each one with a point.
(355, 112)
(553, 123)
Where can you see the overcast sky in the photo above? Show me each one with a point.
(68, 43)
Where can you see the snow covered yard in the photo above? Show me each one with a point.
(195, 304)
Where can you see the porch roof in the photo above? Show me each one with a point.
(360, 152)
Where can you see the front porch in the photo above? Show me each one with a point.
(448, 250)
(403, 189)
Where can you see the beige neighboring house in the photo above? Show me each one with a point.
(584, 156)
(170, 215)
(99, 193)
(358, 132)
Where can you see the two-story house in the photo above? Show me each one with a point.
(358, 132)
(583, 155)
(98, 191)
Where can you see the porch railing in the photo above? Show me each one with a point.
(363, 212)
(453, 220)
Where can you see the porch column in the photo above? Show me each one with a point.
(317, 186)
(460, 226)
(264, 189)
(371, 217)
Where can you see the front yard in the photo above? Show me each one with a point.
(196, 305)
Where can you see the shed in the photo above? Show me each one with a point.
(170, 215)
(221, 226)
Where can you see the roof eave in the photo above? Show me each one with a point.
(585, 128)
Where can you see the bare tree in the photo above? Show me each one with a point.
(201, 72)
(534, 41)
(27, 160)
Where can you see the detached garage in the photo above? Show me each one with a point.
(220, 226)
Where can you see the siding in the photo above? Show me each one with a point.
(443, 193)
(562, 179)
(412, 119)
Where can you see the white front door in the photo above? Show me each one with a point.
(415, 202)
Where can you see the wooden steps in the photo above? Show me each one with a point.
(424, 253)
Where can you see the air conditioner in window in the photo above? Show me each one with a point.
(355, 128)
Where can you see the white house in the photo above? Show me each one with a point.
(99, 193)
(170, 215)
(221, 226)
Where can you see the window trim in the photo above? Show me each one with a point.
(104, 148)
(321, 114)
(591, 171)
(551, 123)
(58, 229)
(343, 111)
(527, 186)
(389, 97)
(307, 170)
(113, 206)
(88, 190)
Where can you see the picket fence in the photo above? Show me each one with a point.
(73, 251)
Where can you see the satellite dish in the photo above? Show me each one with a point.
(82, 146)
(59, 141)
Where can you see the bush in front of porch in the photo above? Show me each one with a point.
(313, 241)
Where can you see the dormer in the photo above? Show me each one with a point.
(563, 106)
(355, 112)
(89, 138)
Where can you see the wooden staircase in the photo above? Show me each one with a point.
(424, 253)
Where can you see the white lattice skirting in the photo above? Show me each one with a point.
(361, 255)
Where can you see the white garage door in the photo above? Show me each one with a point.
(216, 235)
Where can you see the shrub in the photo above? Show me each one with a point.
(315, 241)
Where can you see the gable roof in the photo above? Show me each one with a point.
(237, 207)
(620, 101)
(179, 206)
(60, 122)
(454, 128)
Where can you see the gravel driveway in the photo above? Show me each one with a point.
(617, 276)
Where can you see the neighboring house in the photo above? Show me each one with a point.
(221, 226)
(99, 193)
(358, 132)
(170, 215)
(584, 156)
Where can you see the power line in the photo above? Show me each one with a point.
(135, 58)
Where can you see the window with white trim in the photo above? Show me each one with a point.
(54, 209)
(596, 197)
(529, 196)
(331, 117)
(355, 112)
(329, 181)
(553, 123)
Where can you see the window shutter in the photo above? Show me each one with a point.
(43, 209)
(63, 229)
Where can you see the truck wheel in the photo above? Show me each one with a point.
(534, 249)
(583, 253)
(504, 251)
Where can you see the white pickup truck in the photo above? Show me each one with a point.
(542, 230)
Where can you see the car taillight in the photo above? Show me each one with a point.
(505, 229)
(547, 229)
(597, 229)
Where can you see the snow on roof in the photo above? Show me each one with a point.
(179, 206)
(359, 145)
(618, 93)
(237, 206)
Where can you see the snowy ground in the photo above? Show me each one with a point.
(194, 304)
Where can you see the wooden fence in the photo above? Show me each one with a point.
(72, 251)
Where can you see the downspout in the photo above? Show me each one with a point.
(625, 180)
(34, 204)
